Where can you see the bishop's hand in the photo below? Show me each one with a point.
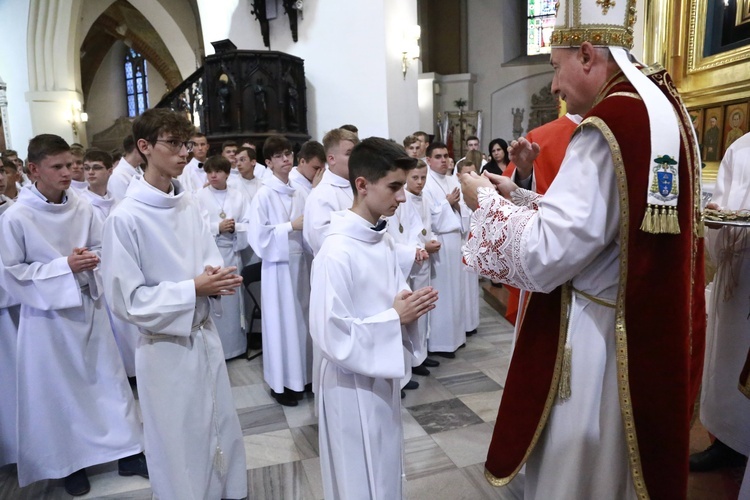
(503, 185)
(470, 183)
(523, 153)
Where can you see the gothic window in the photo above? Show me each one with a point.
(136, 85)
(541, 21)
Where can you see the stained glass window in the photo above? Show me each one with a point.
(136, 85)
(541, 21)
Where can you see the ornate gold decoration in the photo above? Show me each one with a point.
(743, 12)
(605, 5)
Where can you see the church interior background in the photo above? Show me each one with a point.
(83, 69)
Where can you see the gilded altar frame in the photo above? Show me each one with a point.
(674, 36)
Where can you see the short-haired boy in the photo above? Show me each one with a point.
(12, 179)
(413, 146)
(66, 355)
(334, 191)
(193, 177)
(362, 316)
(275, 220)
(161, 268)
(246, 182)
(77, 177)
(310, 167)
(224, 208)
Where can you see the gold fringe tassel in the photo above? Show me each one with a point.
(660, 220)
(563, 390)
(699, 228)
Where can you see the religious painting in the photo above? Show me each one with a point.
(714, 121)
(719, 33)
(735, 123)
(696, 117)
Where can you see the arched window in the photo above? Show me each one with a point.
(541, 21)
(136, 84)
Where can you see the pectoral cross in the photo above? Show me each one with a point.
(605, 5)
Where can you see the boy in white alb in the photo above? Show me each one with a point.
(193, 177)
(9, 312)
(246, 182)
(310, 169)
(275, 219)
(362, 316)
(443, 194)
(224, 208)
(334, 191)
(66, 354)
(97, 166)
(471, 279)
(161, 268)
(126, 169)
(77, 177)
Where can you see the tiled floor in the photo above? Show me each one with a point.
(448, 423)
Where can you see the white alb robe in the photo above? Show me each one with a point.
(332, 194)
(300, 182)
(193, 177)
(126, 334)
(447, 331)
(725, 411)
(75, 406)
(154, 245)
(356, 278)
(471, 279)
(570, 233)
(9, 316)
(122, 174)
(230, 202)
(285, 285)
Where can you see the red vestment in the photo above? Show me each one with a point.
(659, 316)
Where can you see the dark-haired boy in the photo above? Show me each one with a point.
(362, 316)
(223, 209)
(246, 182)
(12, 179)
(75, 407)
(127, 168)
(161, 267)
(309, 171)
(443, 194)
(334, 192)
(275, 220)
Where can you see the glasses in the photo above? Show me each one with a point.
(95, 168)
(285, 154)
(176, 145)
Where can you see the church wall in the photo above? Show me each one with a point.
(106, 100)
(14, 71)
(353, 71)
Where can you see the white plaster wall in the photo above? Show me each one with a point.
(106, 99)
(515, 95)
(14, 70)
(351, 69)
(157, 87)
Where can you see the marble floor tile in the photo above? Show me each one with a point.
(484, 404)
(430, 390)
(314, 479)
(271, 448)
(244, 372)
(469, 383)
(302, 414)
(455, 367)
(126, 495)
(306, 439)
(465, 446)
(260, 419)
(286, 481)
(449, 484)
(444, 416)
(423, 457)
(249, 396)
(412, 429)
(497, 371)
(475, 475)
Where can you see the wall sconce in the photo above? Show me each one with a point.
(410, 47)
(76, 116)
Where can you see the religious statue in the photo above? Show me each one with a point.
(224, 93)
(291, 107)
(261, 106)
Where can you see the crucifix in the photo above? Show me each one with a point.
(605, 5)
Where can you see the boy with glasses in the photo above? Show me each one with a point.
(162, 271)
(275, 220)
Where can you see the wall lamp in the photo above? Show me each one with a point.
(410, 47)
(75, 116)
